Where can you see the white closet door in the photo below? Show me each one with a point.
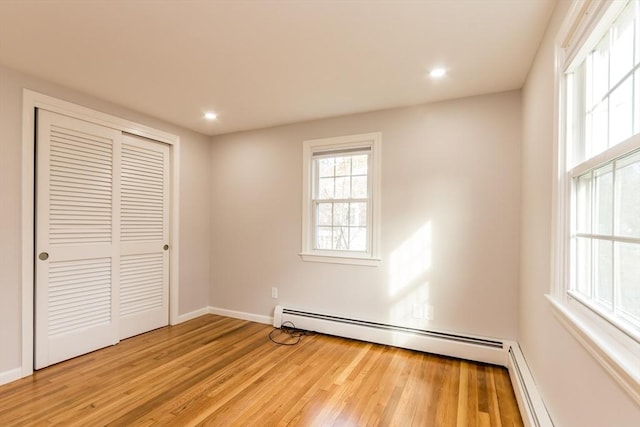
(77, 248)
(144, 262)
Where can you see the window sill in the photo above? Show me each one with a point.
(333, 259)
(620, 360)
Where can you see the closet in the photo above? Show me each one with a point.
(101, 236)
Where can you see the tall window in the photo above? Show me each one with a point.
(603, 165)
(341, 200)
(341, 206)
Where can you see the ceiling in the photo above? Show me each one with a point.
(265, 63)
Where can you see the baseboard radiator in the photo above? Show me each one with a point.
(478, 349)
(443, 343)
(532, 409)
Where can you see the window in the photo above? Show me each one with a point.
(604, 168)
(597, 291)
(341, 199)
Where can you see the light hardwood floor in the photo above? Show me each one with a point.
(225, 372)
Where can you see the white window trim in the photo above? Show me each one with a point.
(616, 352)
(373, 141)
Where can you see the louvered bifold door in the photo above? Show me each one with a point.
(77, 248)
(144, 262)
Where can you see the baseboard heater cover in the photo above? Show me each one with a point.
(532, 408)
(444, 343)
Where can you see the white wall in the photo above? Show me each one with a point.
(194, 205)
(576, 390)
(451, 166)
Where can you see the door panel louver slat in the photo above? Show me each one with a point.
(70, 181)
(142, 194)
(87, 308)
(141, 288)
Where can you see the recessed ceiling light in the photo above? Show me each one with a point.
(436, 73)
(210, 115)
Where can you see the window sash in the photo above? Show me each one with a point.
(602, 79)
(317, 200)
(614, 315)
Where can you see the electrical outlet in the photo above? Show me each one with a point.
(418, 311)
(274, 293)
(428, 312)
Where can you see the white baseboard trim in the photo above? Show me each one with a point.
(241, 315)
(10, 375)
(532, 408)
(193, 314)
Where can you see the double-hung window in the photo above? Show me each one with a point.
(599, 184)
(341, 199)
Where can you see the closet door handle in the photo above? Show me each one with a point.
(165, 247)
(43, 256)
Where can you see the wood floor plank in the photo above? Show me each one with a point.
(225, 372)
(463, 396)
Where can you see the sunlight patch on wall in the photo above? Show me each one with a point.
(410, 311)
(410, 260)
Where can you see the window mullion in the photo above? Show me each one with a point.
(620, 239)
(614, 247)
(611, 89)
(370, 196)
(333, 214)
(592, 247)
(341, 200)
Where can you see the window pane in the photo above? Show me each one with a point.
(325, 167)
(600, 71)
(325, 213)
(586, 67)
(628, 195)
(603, 221)
(358, 214)
(341, 214)
(622, 45)
(326, 188)
(343, 166)
(583, 204)
(359, 164)
(635, 11)
(599, 129)
(621, 120)
(324, 239)
(341, 238)
(604, 272)
(582, 150)
(343, 188)
(636, 108)
(359, 187)
(358, 238)
(583, 266)
(628, 281)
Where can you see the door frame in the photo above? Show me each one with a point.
(32, 100)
